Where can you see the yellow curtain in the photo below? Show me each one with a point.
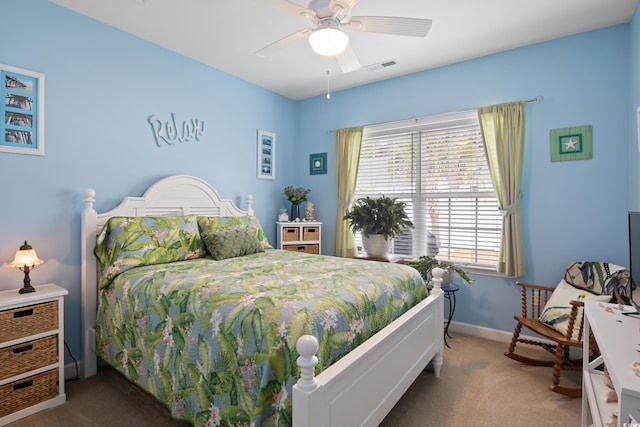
(347, 158)
(503, 133)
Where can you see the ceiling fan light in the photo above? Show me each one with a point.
(328, 41)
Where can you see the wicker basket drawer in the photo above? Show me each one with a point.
(30, 320)
(28, 356)
(28, 392)
(290, 234)
(309, 249)
(311, 233)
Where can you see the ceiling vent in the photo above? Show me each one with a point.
(381, 65)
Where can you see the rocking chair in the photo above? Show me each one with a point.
(556, 314)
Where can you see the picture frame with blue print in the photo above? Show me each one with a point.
(266, 155)
(22, 111)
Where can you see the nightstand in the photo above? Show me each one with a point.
(31, 351)
(300, 236)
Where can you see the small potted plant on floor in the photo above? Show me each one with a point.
(425, 264)
(379, 220)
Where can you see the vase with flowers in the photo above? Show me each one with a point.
(296, 196)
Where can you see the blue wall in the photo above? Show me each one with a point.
(103, 84)
(571, 210)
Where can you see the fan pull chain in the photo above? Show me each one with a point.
(328, 86)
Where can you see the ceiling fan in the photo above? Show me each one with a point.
(327, 38)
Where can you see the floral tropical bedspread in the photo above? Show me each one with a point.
(214, 341)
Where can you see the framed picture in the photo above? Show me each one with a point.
(266, 155)
(571, 144)
(22, 93)
(318, 164)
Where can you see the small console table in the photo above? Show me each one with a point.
(450, 294)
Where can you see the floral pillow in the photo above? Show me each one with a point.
(210, 224)
(557, 311)
(128, 242)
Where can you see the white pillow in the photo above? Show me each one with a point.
(558, 309)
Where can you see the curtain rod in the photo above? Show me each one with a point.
(538, 99)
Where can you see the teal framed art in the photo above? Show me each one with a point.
(318, 164)
(571, 144)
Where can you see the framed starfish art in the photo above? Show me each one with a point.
(571, 144)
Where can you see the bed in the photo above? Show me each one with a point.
(262, 318)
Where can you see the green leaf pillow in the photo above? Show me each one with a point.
(128, 242)
(234, 242)
(209, 224)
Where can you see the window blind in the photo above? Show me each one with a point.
(438, 167)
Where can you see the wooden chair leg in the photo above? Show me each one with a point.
(511, 354)
(514, 339)
(562, 359)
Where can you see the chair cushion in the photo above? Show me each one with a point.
(557, 311)
(601, 278)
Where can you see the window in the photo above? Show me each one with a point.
(438, 167)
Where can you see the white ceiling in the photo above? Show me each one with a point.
(225, 34)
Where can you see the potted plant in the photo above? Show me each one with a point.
(296, 196)
(425, 264)
(379, 220)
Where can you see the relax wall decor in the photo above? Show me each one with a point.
(22, 110)
(266, 155)
(170, 132)
(571, 143)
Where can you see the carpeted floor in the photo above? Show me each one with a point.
(478, 387)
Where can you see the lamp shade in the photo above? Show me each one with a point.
(25, 257)
(328, 41)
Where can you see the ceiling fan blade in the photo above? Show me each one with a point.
(291, 7)
(414, 27)
(342, 8)
(347, 60)
(284, 43)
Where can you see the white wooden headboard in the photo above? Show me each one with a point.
(176, 195)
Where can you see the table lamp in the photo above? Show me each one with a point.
(25, 260)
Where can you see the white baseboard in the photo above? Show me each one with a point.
(70, 371)
(502, 336)
(488, 333)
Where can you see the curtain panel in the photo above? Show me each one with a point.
(502, 128)
(348, 142)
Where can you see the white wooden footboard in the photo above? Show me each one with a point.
(361, 388)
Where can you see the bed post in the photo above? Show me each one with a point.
(88, 284)
(303, 409)
(307, 346)
(436, 280)
(249, 201)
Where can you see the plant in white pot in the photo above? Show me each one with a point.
(425, 264)
(379, 220)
